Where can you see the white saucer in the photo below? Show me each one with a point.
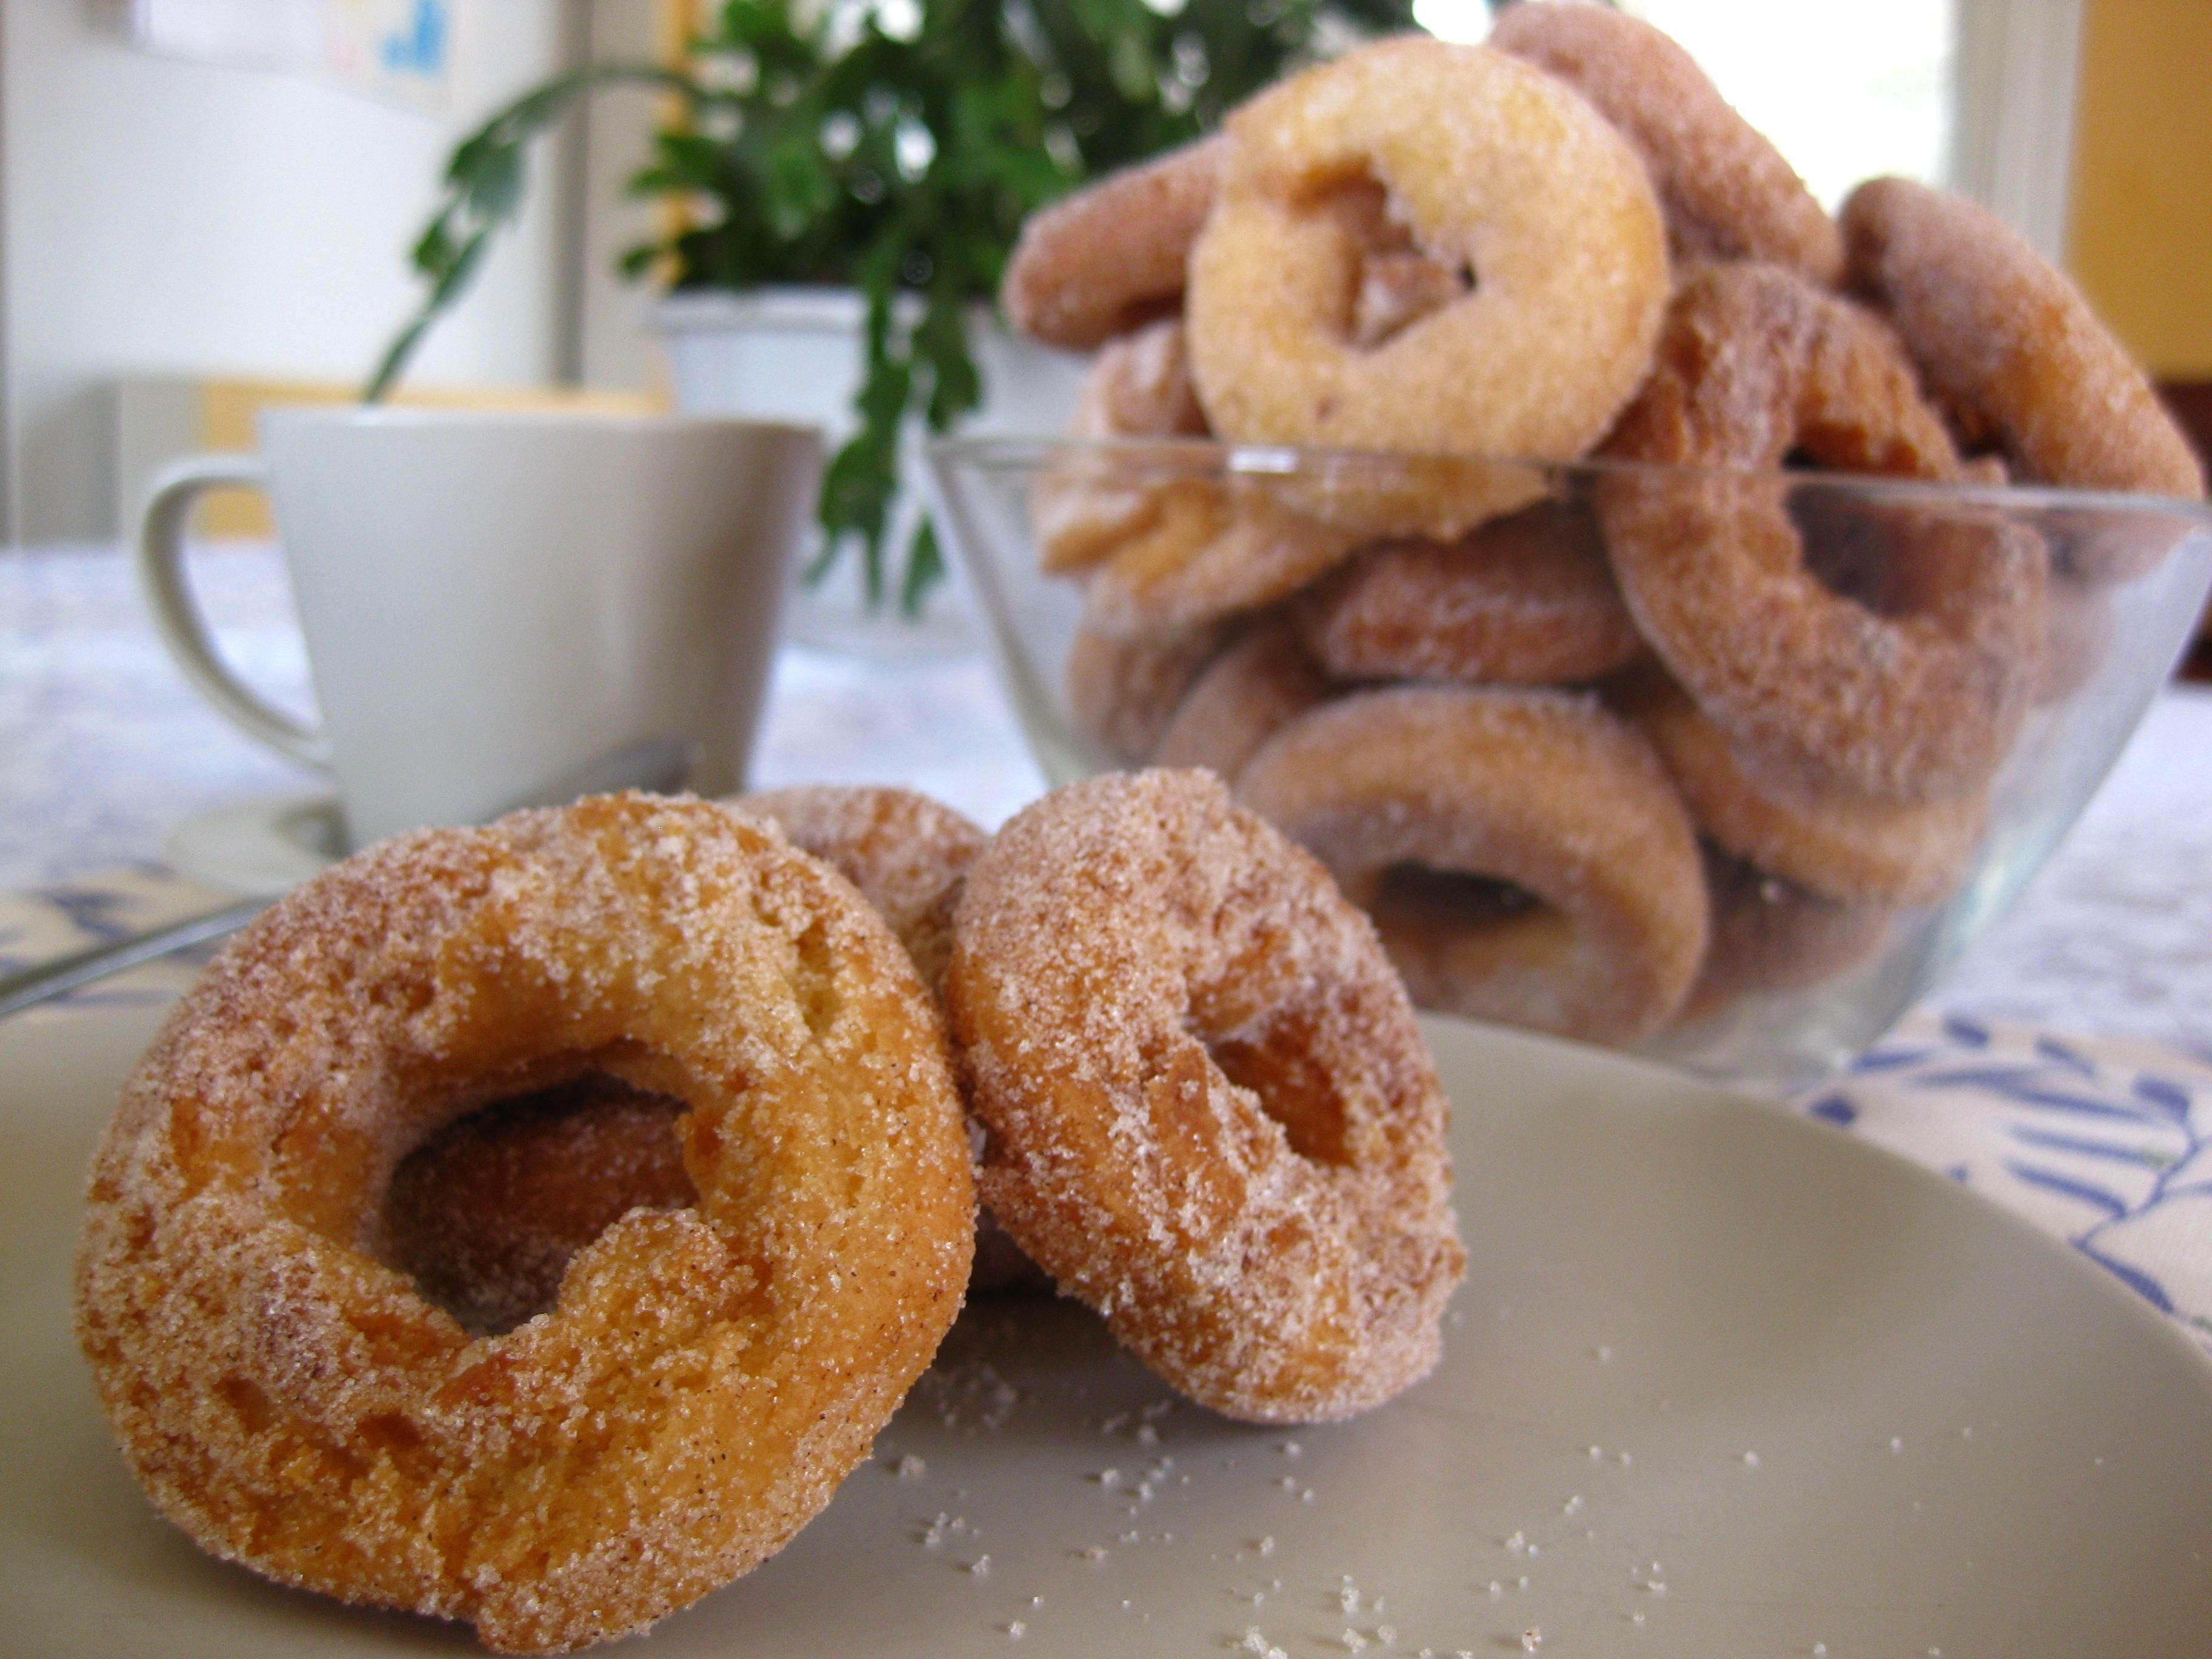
(268, 846)
(1723, 1382)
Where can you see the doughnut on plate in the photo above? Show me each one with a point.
(1761, 1283)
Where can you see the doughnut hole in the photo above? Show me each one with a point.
(1390, 281)
(485, 1215)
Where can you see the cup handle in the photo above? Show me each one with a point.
(184, 631)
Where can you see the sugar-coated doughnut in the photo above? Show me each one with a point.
(905, 852)
(907, 855)
(1264, 679)
(1834, 843)
(1486, 167)
(1167, 542)
(1110, 256)
(1770, 938)
(708, 1374)
(1122, 691)
(2009, 345)
(1211, 1115)
(1910, 689)
(1527, 599)
(1087, 502)
(1726, 192)
(1523, 853)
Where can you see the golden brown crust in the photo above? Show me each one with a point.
(1912, 691)
(1835, 844)
(1541, 790)
(1726, 192)
(1527, 599)
(1211, 1115)
(1099, 261)
(708, 1375)
(1483, 165)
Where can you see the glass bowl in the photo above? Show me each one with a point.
(2097, 596)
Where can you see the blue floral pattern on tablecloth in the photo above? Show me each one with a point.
(2105, 1143)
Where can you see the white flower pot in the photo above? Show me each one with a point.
(795, 354)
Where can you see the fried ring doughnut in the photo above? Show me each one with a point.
(1100, 261)
(1726, 192)
(907, 855)
(2009, 345)
(1091, 501)
(708, 1376)
(1486, 165)
(905, 852)
(1211, 1115)
(1122, 692)
(1770, 939)
(1836, 845)
(1266, 678)
(1527, 599)
(1914, 694)
(1521, 852)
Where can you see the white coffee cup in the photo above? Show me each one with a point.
(493, 600)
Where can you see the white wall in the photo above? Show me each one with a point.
(160, 216)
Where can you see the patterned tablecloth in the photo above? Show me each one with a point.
(2064, 1069)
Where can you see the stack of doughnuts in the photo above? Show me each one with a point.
(533, 1225)
(1607, 750)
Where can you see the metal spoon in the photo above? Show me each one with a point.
(659, 765)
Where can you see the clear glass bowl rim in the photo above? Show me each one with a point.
(1169, 459)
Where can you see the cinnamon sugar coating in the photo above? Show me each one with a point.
(1481, 164)
(2009, 345)
(1726, 192)
(1413, 795)
(1903, 671)
(905, 852)
(1212, 1115)
(1835, 844)
(708, 1374)
(1264, 679)
(1527, 599)
(1103, 260)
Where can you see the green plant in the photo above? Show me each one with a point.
(895, 146)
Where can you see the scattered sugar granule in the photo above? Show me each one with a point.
(1517, 1542)
(1897, 1442)
(1288, 1483)
(1268, 1545)
(1096, 1552)
(1751, 1460)
(1820, 1650)
(1635, 1618)
(1623, 1459)
(981, 1566)
(1347, 1600)
(1147, 1435)
(1531, 1639)
(1386, 1635)
(1596, 1452)
(1604, 1354)
(1497, 1590)
(1572, 1506)
(1352, 1640)
(911, 1468)
(1109, 1478)
(1016, 1630)
(1307, 1495)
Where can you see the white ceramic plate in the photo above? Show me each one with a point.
(1822, 1398)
